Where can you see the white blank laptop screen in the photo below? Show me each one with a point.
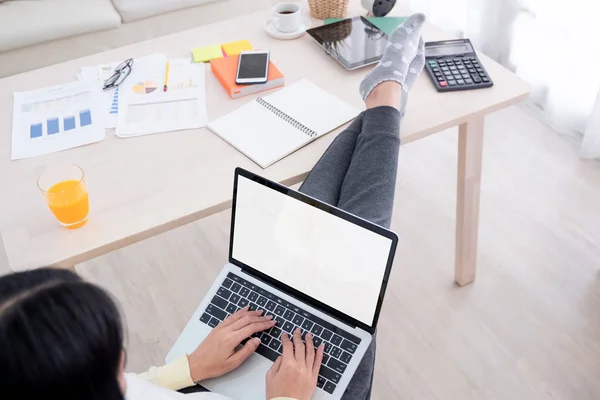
(323, 256)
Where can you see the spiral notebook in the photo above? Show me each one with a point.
(270, 128)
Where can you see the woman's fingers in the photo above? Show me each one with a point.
(240, 356)
(236, 316)
(287, 347)
(256, 326)
(248, 319)
(299, 351)
(310, 351)
(318, 360)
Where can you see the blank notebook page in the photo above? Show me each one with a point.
(312, 106)
(259, 134)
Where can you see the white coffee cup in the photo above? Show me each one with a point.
(287, 17)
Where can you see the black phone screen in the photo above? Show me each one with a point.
(253, 66)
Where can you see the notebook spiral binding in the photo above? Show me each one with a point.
(296, 124)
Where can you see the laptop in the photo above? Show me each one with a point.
(307, 263)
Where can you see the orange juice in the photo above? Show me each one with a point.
(68, 201)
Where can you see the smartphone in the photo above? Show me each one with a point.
(253, 67)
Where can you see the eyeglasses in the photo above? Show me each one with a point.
(121, 72)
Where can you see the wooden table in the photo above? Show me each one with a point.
(144, 186)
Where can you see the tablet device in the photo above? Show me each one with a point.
(353, 42)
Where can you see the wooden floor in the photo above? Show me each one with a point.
(528, 328)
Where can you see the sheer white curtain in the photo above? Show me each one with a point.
(552, 44)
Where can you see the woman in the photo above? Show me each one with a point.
(62, 338)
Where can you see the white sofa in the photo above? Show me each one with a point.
(37, 33)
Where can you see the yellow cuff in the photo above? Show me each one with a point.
(174, 375)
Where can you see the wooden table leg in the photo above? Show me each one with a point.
(470, 148)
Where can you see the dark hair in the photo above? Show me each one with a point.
(60, 338)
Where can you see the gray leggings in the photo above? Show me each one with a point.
(357, 174)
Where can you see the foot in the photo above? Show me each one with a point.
(403, 58)
(387, 93)
(394, 94)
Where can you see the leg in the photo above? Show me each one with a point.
(369, 185)
(361, 383)
(369, 182)
(368, 192)
(325, 179)
(470, 148)
(401, 64)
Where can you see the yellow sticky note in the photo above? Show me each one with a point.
(207, 53)
(235, 48)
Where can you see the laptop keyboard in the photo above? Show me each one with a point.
(236, 293)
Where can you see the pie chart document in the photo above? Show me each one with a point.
(146, 108)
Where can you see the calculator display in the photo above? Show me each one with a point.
(448, 50)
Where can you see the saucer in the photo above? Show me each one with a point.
(272, 30)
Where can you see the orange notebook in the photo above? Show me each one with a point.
(225, 70)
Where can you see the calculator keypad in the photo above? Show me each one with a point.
(455, 73)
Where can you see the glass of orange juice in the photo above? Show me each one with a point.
(65, 192)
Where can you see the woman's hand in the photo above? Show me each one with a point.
(294, 374)
(216, 355)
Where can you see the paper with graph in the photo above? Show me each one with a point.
(56, 118)
(144, 108)
(98, 74)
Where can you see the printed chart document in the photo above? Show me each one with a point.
(144, 108)
(56, 118)
(99, 74)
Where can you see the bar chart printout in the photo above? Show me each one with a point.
(56, 118)
(68, 123)
(85, 117)
(53, 126)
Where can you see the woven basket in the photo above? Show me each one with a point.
(322, 9)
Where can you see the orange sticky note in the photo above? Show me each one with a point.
(235, 48)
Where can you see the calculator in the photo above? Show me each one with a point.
(453, 65)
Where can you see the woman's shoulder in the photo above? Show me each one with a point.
(140, 389)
